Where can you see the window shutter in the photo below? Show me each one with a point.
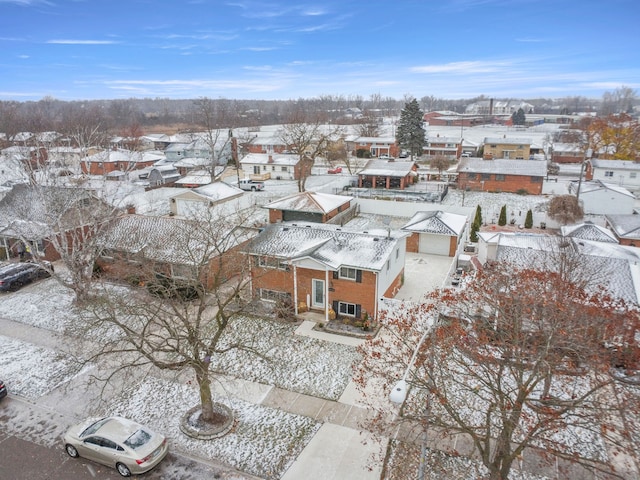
(358, 310)
(358, 276)
(335, 275)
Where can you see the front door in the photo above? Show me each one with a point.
(317, 293)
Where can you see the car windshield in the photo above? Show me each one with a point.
(94, 427)
(138, 439)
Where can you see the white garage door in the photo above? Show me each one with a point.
(434, 244)
(189, 208)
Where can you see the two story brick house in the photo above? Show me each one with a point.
(327, 267)
(507, 148)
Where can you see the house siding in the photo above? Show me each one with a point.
(510, 184)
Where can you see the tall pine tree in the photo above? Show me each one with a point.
(410, 135)
(502, 220)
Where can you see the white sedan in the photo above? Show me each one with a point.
(117, 442)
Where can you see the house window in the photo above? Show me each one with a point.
(632, 174)
(472, 176)
(273, 168)
(536, 179)
(272, 262)
(284, 169)
(264, 168)
(397, 253)
(348, 309)
(182, 271)
(486, 176)
(608, 173)
(273, 295)
(499, 177)
(348, 273)
(494, 145)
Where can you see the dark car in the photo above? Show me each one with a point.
(15, 275)
(3, 389)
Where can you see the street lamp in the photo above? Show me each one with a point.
(398, 396)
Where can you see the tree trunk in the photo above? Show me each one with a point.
(204, 384)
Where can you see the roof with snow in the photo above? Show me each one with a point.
(588, 231)
(507, 141)
(616, 164)
(592, 186)
(327, 244)
(438, 222)
(312, 202)
(625, 226)
(270, 159)
(533, 168)
(388, 168)
(121, 155)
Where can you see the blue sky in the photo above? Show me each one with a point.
(285, 49)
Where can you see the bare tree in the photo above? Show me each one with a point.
(193, 304)
(308, 138)
(519, 360)
(440, 163)
(565, 209)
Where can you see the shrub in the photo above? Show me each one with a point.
(502, 220)
(528, 222)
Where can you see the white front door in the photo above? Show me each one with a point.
(317, 293)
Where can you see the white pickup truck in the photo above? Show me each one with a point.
(251, 185)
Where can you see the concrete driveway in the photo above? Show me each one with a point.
(424, 273)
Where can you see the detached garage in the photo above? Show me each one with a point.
(435, 232)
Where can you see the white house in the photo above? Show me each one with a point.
(624, 173)
(599, 198)
(262, 166)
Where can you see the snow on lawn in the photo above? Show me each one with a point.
(300, 364)
(33, 371)
(264, 442)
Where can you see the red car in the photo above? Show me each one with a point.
(335, 170)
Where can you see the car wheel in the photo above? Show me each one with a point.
(123, 470)
(71, 451)
(253, 189)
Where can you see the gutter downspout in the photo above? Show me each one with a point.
(326, 295)
(295, 287)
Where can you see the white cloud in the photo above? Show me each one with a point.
(462, 67)
(82, 42)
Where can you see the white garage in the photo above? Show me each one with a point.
(435, 232)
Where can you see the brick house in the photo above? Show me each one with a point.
(567, 153)
(502, 175)
(438, 146)
(326, 267)
(435, 232)
(137, 247)
(109, 161)
(376, 146)
(388, 174)
(625, 228)
(262, 166)
(271, 144)
(507, 148)
(308, 207)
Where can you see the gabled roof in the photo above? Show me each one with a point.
(592, 186)
(121, 155)
(270, 159)
(437, 222)
(588, 231)
(388, 168)
(616, 164)
(625, 226)
(326, 244)
(311, 202)
(533, 168)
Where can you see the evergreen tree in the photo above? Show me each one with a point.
(410, 135)
(518, 118)
(478, 218)
(528, 222)
(502, 221)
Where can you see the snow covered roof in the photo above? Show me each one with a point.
(121, 155)
(327, 244)
(310, 202)
(616, 164)
(439, 222)
(592, 186)
(617, 265)
(534, 168)
(588, 231)
(387, 168)
(268, 158)
(566, 147)
(218, 191)
(625, 226)
(382, 140)
(507, 141)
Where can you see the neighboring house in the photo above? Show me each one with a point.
(624, 173)
(109, 161)
(599, 198)
(567, 153)
(376, 146)
(190, 203)
(35, 214)
(309, 207)
(33, 158)
(588, 231)
(175, 151)
(452, 119)
(135, 247)
(626, 228)
(326, 267)
(262, 166)
(502, 175)
(268, 144)
(438, 146)
(615, 268)
(388, 174)
(507, 148)
(435, 232)
(162, 175)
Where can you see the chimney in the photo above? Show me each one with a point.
(270, 158)
(491, 106)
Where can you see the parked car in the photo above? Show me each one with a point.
(117, 442)
(335, 170)
(250, 185)
(3, 389)
(15, 275)
(385, 157)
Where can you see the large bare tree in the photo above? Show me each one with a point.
(520, 360)
(189, 299)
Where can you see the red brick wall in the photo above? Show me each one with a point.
(413, 243)
(395, 286)
(511, 184)
(275, 216)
